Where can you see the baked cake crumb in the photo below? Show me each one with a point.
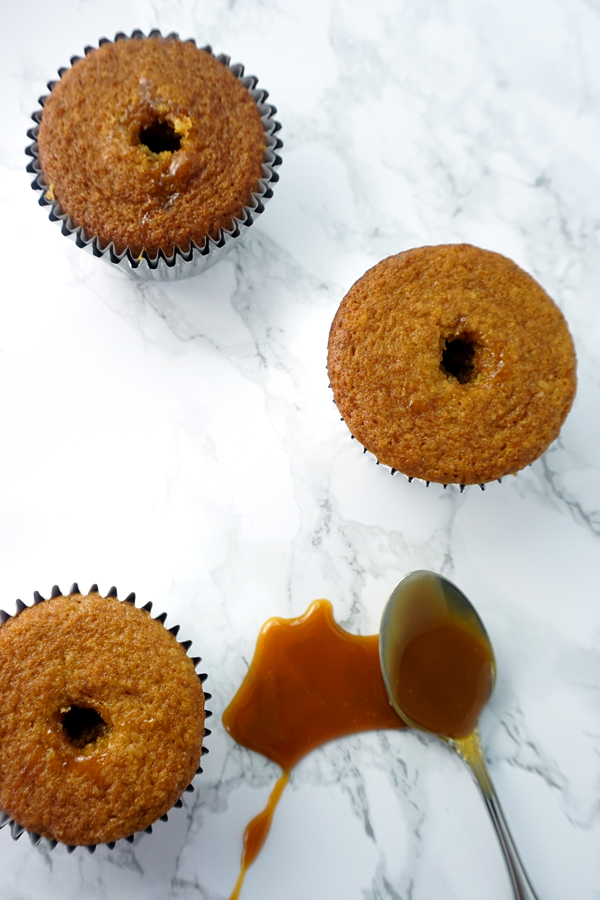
(101, 719)
(451, 364)
(151, 144)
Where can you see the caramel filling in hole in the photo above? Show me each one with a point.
(82, 725)
(159, 137)
(458, 358)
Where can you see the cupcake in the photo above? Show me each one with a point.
(155, 153)
(450, 364)
(101, 718)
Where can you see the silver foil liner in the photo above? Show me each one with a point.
(16, 829)
(182, 262)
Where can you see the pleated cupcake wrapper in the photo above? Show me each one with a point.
(409, 478)
(197, 258)
(16, 829)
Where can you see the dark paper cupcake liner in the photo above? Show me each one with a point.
(16, 829)
(197, 258)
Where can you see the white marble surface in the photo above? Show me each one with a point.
(180, 440)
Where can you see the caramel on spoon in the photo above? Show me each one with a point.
(439, 671)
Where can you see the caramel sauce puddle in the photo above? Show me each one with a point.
(309, 682)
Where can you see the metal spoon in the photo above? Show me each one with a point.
(439, 671)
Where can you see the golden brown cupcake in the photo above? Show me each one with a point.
(451, 364)
(152, 145)
(101, 718)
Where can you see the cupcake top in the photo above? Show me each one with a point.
(151, 143)
(451, 364)
(101, 719)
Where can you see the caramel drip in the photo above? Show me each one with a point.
(309, 682)
(256, 833)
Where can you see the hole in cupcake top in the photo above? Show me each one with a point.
(82, 725)
(458, 358)
(159, 137)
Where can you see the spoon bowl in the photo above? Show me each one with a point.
(439, 670)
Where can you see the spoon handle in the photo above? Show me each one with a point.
(470, 750)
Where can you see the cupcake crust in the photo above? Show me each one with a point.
(151, 144)
(451, 364)
(80, 782)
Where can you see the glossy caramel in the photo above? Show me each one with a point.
(309, 682)
(437, 656)
(443, 680)
(256, 832)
